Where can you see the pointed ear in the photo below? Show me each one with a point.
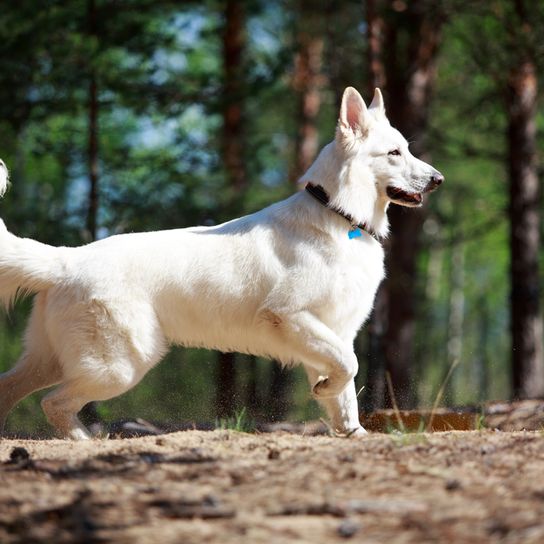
(354, 119)
(377, 104)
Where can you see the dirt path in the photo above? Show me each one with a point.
(229, 487)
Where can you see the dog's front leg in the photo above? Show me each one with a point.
(343, 410)
(309, 340)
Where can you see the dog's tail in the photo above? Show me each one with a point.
(4, 178)
(26, 266)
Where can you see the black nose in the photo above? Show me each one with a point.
(436, 179)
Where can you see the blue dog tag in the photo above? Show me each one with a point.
(354, 233)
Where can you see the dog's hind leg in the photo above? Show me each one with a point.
(104, 348)
(36, 369)
(62, 405)
(28, 375)
(343, 410)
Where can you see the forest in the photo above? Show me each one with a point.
(121, 116)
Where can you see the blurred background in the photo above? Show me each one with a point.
(118, 116)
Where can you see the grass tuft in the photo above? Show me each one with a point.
(239, 422)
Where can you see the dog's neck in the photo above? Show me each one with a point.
(323, 198)
(353, 194)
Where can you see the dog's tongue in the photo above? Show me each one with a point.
(399, 194)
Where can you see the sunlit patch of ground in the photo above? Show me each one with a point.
(226, 486)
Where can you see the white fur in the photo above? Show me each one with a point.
(4, 178)
(285, 282)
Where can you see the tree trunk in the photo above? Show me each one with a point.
(374, 394)
(403, 42)
(307, 80)
(409, 100)
(252, 400)
(225, 385)
(233, 159)
(233, 122)
(375, 390)
(375, 33)
(399, 336)
(279, 399)
(526, 321)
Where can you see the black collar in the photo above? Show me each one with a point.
(322, 197)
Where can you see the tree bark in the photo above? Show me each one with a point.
(375, 391)
(279, 399)
(225, 384)
(233, 159)
(307, 81)
(526, 320)
(233, 125)
(403, 43)
(375, 33)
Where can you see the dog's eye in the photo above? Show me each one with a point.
(395, 152)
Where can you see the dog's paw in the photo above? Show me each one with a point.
(326, 387)
(359, 432)
(78, 435)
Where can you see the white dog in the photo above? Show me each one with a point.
(294, 282)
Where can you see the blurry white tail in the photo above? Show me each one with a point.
(4, 178)
(26, 266)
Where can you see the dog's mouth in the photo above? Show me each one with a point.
(404, 198)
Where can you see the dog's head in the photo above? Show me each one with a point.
(370, 144)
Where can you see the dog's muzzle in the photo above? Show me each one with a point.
(436, 180)
(405, 198)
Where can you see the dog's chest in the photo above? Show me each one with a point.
(354, 279)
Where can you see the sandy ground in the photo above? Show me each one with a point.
(230, 487)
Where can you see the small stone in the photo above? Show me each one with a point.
(348, 528)
(345, 458)
(273, 454)
(452, 485)
(19, 455)
(211, 500)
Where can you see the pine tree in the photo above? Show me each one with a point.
(403, 45)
